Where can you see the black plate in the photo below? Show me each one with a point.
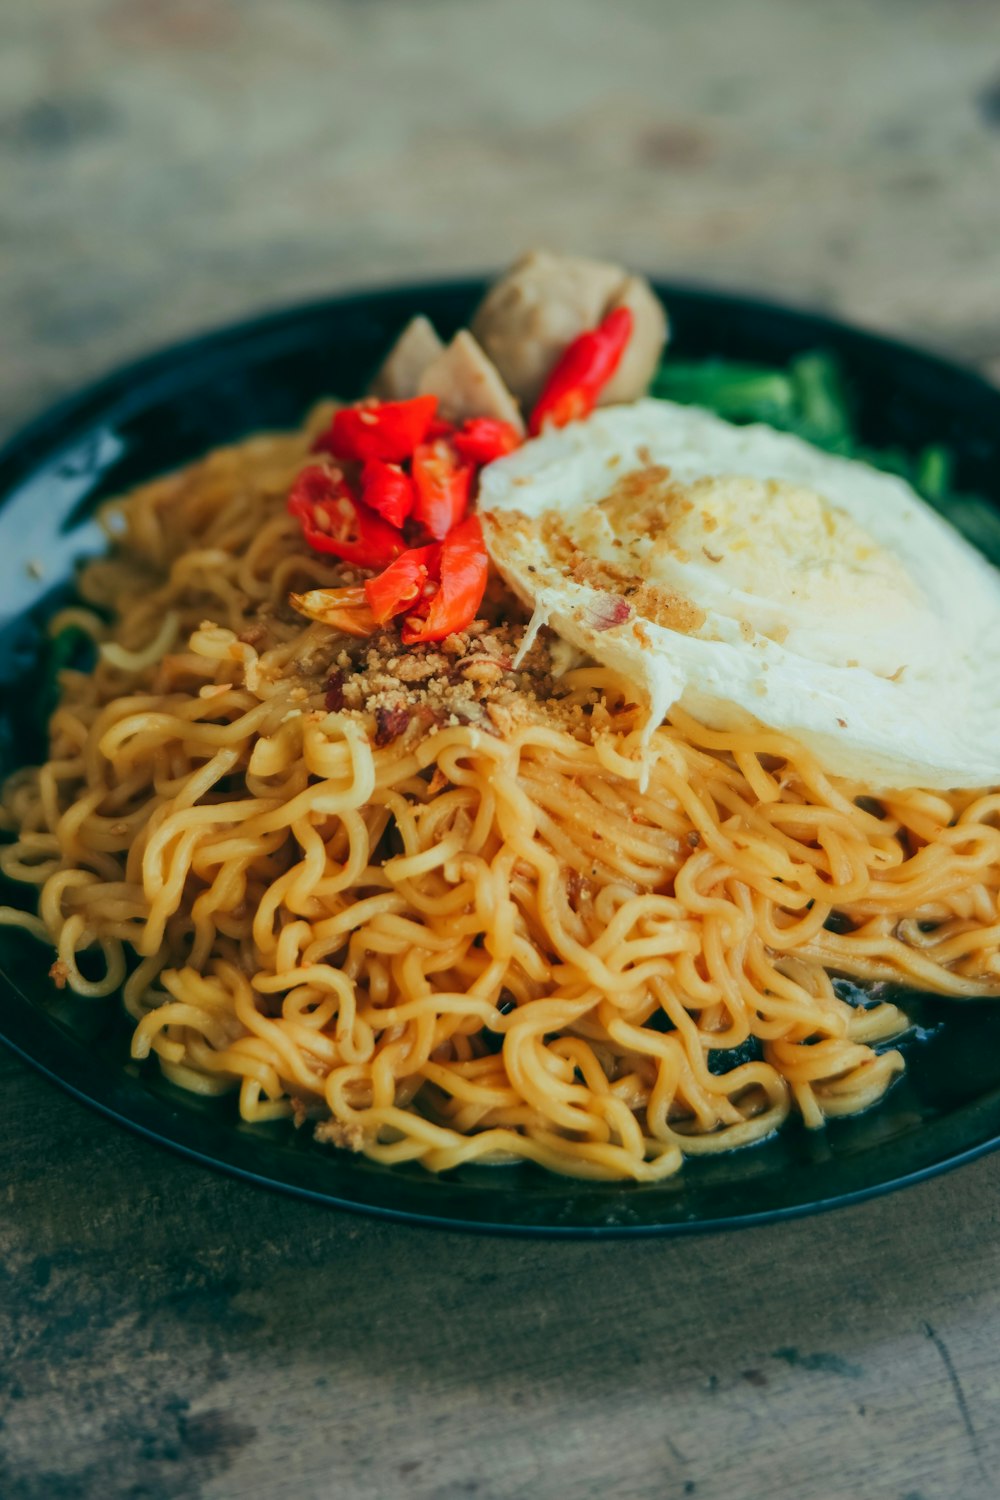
(266, 373)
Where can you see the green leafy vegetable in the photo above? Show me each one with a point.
(824, 413)
(738, 392)
(933, 473)
(72, 647)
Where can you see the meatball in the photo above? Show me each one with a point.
(545, 301)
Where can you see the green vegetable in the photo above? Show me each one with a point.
(933, 473)
(739, 392)
(822, 407)
(811, 398)
(72, 647)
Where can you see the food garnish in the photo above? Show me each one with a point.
(438, 588)
(579, 377)
(389, 430)
(418, 472)
(482, 440)
(388, 489)
(335, 521)
(442, 483)
(462, 568)
(344, 609)
(402, 583)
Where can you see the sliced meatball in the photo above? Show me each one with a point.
(545, 301)
(417, 347)
(467, 384)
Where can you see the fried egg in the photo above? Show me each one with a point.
(750, 578)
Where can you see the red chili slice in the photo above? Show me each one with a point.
(335, 521)
(388, 489)
(403, 582)
(442, 482)
(481, 440)
(463, 571)
(389, 430)
(582, 372)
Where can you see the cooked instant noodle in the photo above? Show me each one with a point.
(446, 909)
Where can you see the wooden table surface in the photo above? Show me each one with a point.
(168, 164)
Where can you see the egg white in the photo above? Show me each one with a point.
(751, 578)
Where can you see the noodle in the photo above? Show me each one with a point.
(508, 936)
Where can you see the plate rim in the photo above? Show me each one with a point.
(41, 1042)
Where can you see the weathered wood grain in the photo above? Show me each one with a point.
(166, 1334)
(173, 1334)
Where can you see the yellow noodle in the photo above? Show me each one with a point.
(561, 939)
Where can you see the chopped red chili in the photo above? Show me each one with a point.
(438, 588)
(483, 439)
(402, 583)
(582, 372)
(442, 482)
(463, 570)
(335, 521)
(388, 489)
(389, 430)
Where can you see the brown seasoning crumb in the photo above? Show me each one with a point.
(345, 1137)
(333, 699)
(390, 724)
